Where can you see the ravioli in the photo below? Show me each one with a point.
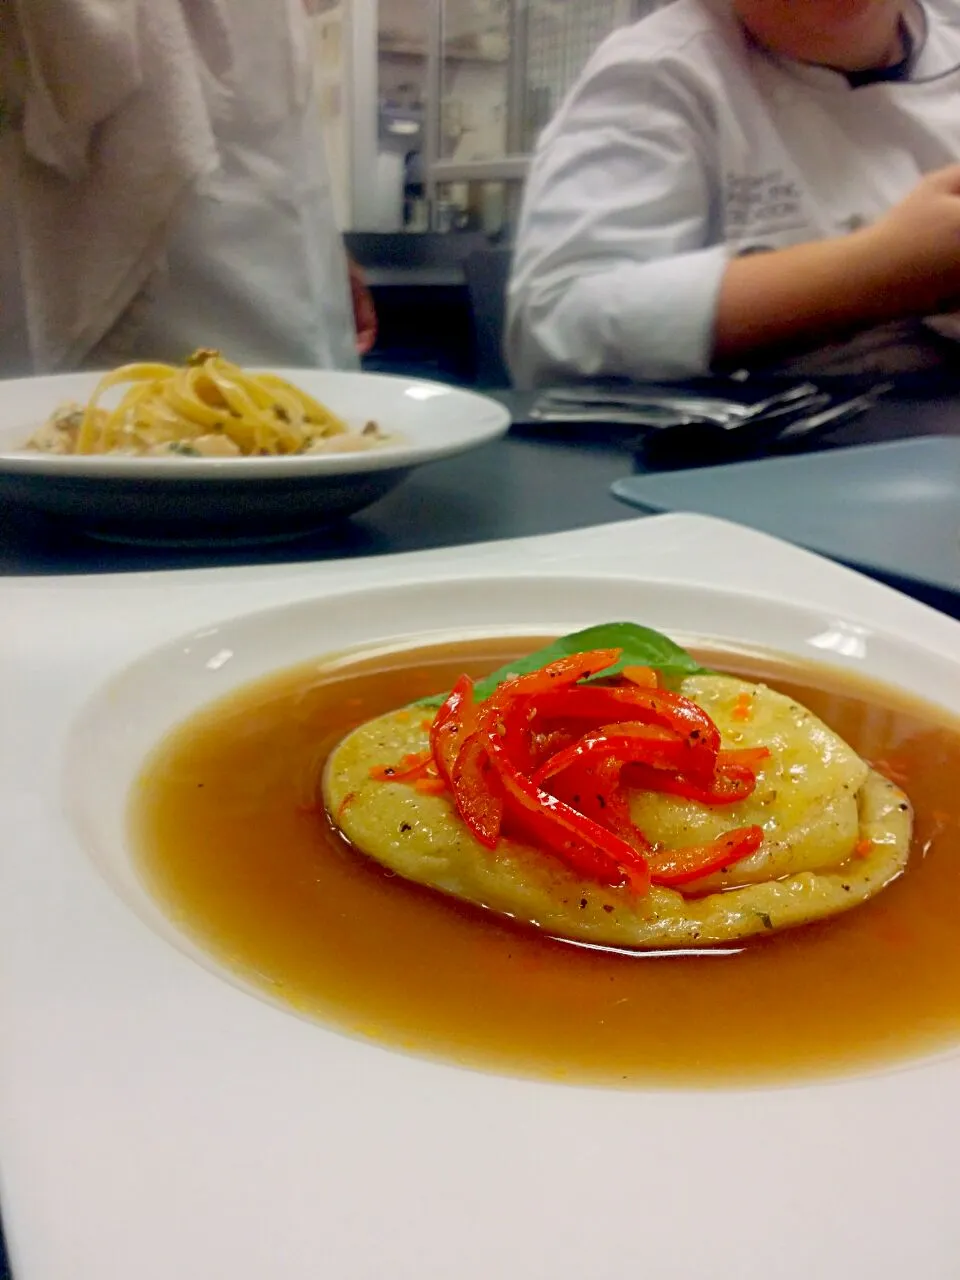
(806, 794)
(835, 832)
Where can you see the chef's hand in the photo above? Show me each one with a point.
(916, 245)
(364, 312)
(905, 265)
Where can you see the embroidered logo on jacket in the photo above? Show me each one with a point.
(761, 204)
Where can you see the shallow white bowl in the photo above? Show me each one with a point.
(133, 712)
(239, 499)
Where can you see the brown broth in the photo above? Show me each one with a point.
(229, 844)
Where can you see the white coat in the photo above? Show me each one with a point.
(253, 262)
(684, 144)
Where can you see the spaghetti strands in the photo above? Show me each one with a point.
(205, 408)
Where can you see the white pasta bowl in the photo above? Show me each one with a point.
(201, 499)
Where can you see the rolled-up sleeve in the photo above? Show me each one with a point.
(619, 257)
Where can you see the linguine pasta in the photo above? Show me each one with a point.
(205, 408)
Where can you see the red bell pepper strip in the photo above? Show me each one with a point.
(583, 844)
(542, 746)
(510, 708)
(454, 722)
(728, 785)
(597, 793)
(648, 737)
(626, 742)
(478, 793)
(679, 866)
(651, 706)
(510, 720)
(453, 740)
(556, 675)
(407, 770)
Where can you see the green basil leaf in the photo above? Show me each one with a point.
(641, 647)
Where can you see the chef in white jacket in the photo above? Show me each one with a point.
(745, 183)
(164, 188)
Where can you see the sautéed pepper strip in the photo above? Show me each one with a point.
(528, 755)
(462, 764)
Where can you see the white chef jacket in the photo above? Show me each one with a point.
(684, 144)
(255, 264)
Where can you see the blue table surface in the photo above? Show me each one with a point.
(533, 481)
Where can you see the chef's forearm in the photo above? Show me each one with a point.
(801, 297)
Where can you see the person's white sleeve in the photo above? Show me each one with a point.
(619, 256)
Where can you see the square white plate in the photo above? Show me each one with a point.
(156, 1121)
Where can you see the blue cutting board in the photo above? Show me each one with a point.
(893, 508)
